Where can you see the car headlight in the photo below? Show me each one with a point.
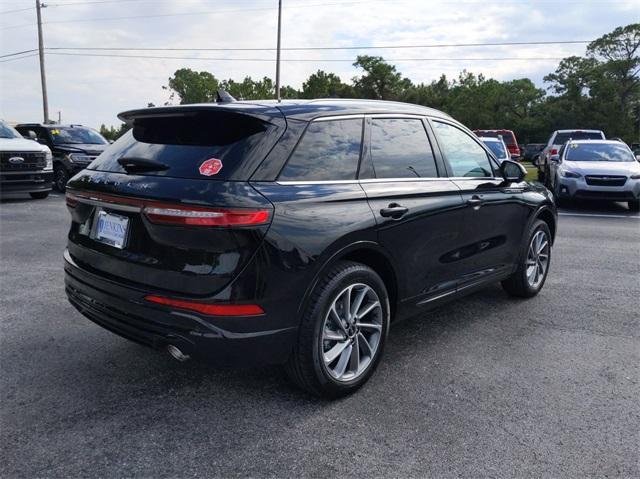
(570, 174)
(49, 159)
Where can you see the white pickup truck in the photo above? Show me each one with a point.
(557, 139)
(26, 166)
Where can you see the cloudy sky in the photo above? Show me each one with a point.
(92, 89)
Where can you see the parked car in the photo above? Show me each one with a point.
(296, 232)
(508, 136)
(497, 146)
(73, 147)
(603, 170)
(532, 152)
(25, 166)
(556, 140)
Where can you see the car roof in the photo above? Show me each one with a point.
(600, 142)
(305, 110)
(50, 125)
(578, 129)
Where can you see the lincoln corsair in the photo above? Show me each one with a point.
(296, 232)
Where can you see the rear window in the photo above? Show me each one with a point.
(562, 138)
(507, 136)
(185, 141)
(497, 148)
(328, 151)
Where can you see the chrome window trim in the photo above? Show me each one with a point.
(109, 205)
(338, 117)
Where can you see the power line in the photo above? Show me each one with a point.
(361, 47)
(317, 60)
(19, 58)
(17, 10)
(163, 15)
(18, 53)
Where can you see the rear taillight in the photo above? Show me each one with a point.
(188, 216)
(209, 308)
(554, 151)
(71, 199)
(175, 213)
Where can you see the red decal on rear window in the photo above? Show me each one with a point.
(210, 167)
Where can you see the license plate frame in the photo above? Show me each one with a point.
(111, 229)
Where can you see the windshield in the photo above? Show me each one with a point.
(76, 135)
(7, 131)
(562, 138)
(598, 152)
(497, 147)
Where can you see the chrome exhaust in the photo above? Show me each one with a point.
(176, 353)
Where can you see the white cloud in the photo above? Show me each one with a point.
(92, 90)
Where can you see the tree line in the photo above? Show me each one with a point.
(600, 90)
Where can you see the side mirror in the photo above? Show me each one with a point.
(32, 135)
(512, 171)
(110, 142)
(638, 157)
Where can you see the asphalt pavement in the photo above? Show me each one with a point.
(488, 386)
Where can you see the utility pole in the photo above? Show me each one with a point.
(278, 52)
(43, 78)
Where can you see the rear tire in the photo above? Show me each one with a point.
(634, 205)
(335, 354)
(39, 195)
(534, 262)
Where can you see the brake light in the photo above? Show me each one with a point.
(209, 308)
(71, 199)
(177, 215)
(554, 151)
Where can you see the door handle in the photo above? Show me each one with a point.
(475, 201)
(394, 210)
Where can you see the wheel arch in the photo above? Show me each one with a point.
(545, 214)
(368, 253)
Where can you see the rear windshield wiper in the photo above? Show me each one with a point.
(136, 165)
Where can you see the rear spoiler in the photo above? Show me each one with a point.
(266, 113)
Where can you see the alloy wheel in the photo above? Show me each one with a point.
(351, 332)
(537, 259)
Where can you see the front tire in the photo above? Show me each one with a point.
(634, 205)
(534, 263)
(60, 178)
(342, 333)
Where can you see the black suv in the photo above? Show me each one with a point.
(296, 232)
(73, 147)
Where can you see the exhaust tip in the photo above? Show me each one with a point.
(176, 353)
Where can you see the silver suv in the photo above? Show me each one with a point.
(559, 138)
(597, 170)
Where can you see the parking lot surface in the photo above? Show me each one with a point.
(487, 386)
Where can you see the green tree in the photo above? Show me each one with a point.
(380, 80)
(111, 133)
(192, 87)
(325, 85)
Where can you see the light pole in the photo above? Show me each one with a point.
(43, 78)
(278, 52)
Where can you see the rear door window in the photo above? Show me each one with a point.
(188, 144)
(562, 138)
(400, 148)
(465, 156)
(328, 151)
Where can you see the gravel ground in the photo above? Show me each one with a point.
(485, 387)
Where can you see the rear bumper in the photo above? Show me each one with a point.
(123, 311)
(25, 182)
